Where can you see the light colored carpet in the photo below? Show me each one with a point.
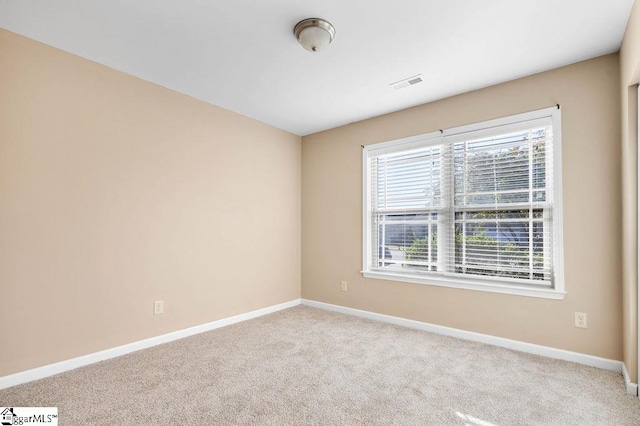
(308, 366)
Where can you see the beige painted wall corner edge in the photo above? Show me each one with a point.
(629, 78)
(531, 348)
(81, 361)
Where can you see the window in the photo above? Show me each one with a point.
(476, 207)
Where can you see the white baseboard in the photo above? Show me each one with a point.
(60, 367)
(593, 361)
(632, 388)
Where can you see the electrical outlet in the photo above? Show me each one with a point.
(343, 286)
(580, 319)
(158, 307)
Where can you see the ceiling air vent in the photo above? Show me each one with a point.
(410, 81)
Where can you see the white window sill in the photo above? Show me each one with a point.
(471, 285)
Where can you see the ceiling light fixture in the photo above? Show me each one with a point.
(314, 33)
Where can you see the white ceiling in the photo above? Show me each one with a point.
(242, 55)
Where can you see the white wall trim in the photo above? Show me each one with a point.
(468, 284)
(632, 388)
(635, 90)
(593, 361)
(70, 364)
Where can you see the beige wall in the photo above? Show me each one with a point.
(332, 206)
(115, 192)
(629, 77)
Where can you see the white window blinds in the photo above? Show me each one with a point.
(475, 204)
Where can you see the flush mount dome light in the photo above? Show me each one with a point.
(314, 33)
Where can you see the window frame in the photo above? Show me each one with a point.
(479, 283)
